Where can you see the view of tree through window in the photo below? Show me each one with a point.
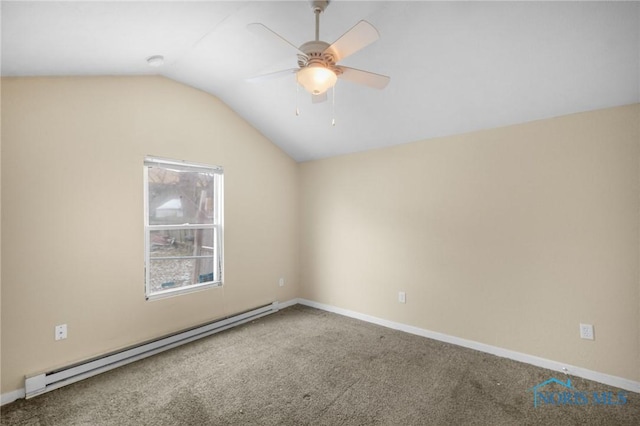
(183, 226)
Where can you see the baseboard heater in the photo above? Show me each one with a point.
(45, 382)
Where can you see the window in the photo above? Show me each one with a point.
(182, 227)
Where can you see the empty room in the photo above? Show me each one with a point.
(320, 213)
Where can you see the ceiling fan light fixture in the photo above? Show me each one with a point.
(316, 79)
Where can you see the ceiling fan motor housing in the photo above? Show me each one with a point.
(318, 54)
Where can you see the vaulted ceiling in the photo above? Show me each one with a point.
(455, 67)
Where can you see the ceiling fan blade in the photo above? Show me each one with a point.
(272, 75)
(377, 81)
(316, 99)
(263, 31)
(360, 35)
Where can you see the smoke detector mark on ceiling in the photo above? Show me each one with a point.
(155, 61)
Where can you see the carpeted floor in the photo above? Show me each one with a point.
(302, 366)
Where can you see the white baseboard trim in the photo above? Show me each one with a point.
(9, 397)
(595, 376)
(607, 379)
(282, 305)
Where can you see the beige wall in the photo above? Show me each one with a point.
(72, 219)
(509, 237)
(0, 235)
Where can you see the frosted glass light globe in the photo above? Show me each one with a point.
(316, 79)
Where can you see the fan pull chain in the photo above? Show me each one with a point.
(297, 92)
(333, 107)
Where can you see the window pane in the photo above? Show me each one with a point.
(168, 274)
(180, 196)
(180, 258)
(181, 242)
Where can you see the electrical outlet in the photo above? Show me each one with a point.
(61, 331)
(586, 331)
(402, 297)
(281, 282)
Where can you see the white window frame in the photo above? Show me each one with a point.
(217, 225)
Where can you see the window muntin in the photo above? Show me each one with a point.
(183, 227)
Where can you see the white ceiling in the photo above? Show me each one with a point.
(455, 66)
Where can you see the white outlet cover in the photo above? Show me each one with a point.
(61, 332)
(402, 297)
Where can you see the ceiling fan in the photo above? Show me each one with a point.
(317, 69)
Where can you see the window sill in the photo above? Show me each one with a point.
(182, 290)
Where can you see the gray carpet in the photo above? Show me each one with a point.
(302, 366)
